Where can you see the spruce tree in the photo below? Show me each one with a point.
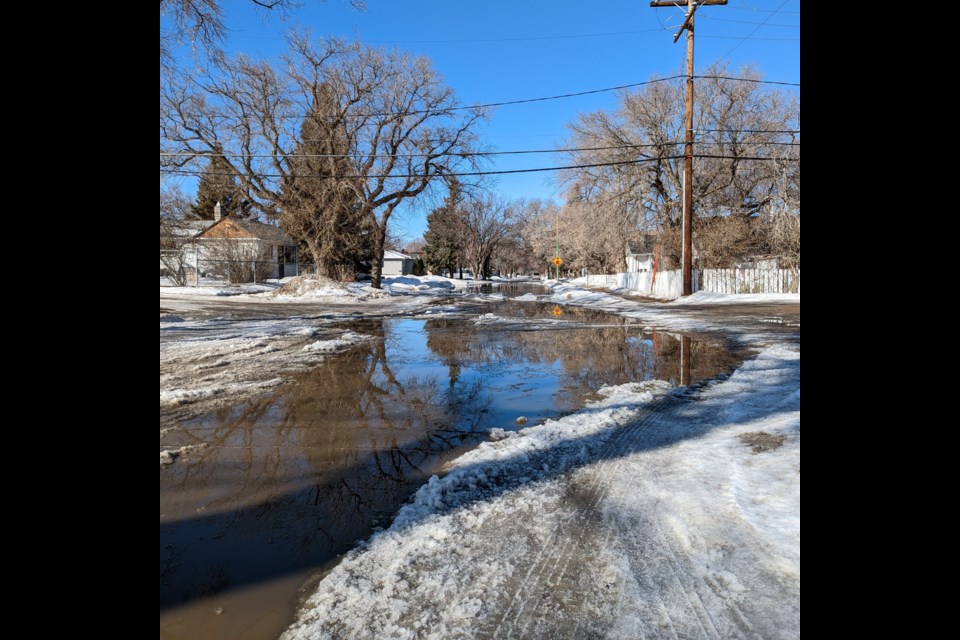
(218, 183)
(443, 248)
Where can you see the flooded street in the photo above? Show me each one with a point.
(295, 477)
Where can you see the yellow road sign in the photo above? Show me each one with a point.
(557, 311)
(557, 261)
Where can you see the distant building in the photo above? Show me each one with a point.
(397, 264)
(638, 261)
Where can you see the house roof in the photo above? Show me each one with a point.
(183, 228)
(395, 255)
(245, 229)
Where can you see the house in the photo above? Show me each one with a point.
(638, 260)
(244, 250)
(397, 264)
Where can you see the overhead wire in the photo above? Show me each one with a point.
(484, 173)
(476, 154)
(561, 96)
(757, 28)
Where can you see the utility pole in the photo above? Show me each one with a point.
(688, 138)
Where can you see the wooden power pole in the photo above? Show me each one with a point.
(688, 139)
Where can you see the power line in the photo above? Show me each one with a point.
(407, 155)
(488, 173)
(749, 37)
(546, 98)
(757, 28)
(751, 130)
(758, 81)
(453, 174)
(768, 24)
(746, 8)
(499, 104)
(187, 154)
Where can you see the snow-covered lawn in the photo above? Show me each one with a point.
(306, 288)
(644, 515)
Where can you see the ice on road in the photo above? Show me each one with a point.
(645, 515)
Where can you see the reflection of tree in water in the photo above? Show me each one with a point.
(332, 453)
(616, 353)
(295, 476)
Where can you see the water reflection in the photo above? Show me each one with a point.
(294, 478)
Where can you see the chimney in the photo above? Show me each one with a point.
(216, 212)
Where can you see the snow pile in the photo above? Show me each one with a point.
(642, 515)
(337, 344)
(213, 287)
(527, 297)
(312, 286)
(407, 285)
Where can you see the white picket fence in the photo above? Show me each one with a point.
(750, 280)
(669, 284)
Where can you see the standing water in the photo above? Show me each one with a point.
(292, 479)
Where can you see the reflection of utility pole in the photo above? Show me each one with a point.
(684, 361)
(688, 138)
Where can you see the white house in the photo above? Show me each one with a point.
(637, 261)
(397, 264)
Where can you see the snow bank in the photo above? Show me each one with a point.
(407, 285)
(616, 521)
(337, 344)
(708, 297)
(403, 582)
(218, 289)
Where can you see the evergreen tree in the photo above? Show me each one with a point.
(218, 183)
(443, 240)
(319, 201)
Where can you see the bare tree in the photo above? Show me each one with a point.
(403, 127)
(236, 260)
(735, 120)
(486, 224)
(201, 25)
(540, 223)
(174, 234)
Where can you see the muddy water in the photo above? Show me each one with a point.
(293, 479)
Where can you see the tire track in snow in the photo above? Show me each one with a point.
(545, 601)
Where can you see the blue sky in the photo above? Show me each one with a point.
(506, 50)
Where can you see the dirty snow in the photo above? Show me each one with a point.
(208, 364)
(708, 297)
(336, 344)
(643, 515)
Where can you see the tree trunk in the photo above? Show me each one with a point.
(314, 248)
(376, 269)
